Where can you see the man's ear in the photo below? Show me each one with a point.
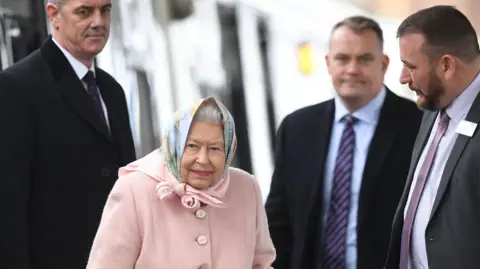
(327, 62)
(448, 66)
(385, 63)
(53, 11)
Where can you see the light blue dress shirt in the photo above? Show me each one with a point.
(367, 117)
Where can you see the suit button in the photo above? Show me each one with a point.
(431, 238)
(202, 240)
(105, 172)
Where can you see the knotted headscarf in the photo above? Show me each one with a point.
(164, 163)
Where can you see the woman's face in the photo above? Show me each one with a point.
(204, 156)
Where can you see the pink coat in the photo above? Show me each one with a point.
(140, 231)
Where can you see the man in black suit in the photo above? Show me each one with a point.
(64, 133)
(437, 223)
(341, 165)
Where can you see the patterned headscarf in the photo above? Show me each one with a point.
(176, 133)
(173, 145)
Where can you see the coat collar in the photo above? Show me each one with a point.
(71, 88)
(79, 68)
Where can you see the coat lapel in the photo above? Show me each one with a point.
(70, 86)
(395, 236)
(319, 141)
(422, 138)
(457, 150)
(386, 132)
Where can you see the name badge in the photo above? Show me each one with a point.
(466, 128)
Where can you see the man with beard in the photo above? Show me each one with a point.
(437, 223)
(341, 165)
(64, 133)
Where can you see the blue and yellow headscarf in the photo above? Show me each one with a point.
(176, 133)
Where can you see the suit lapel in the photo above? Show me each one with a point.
(384, 137)
(457, 150)
(70, 87)
(319, 141)
(421, 141)
(422, 138)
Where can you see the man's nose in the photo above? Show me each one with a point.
(353, 67)
(405, 76)
(98, 19)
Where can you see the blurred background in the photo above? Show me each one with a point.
(262, 58)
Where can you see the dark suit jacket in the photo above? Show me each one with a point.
(453, 233)
(294, 204)
(58, 162)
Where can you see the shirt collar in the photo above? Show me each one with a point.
(79, 68)
(369, 113)
(459, 108)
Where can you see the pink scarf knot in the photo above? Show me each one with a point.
(190, 197)
(153, 166)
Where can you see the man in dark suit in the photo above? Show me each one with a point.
(437, 223)
(341, 165)
(64, 133)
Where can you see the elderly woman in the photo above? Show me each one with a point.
(183, 206)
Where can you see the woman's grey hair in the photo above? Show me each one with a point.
(209, 112)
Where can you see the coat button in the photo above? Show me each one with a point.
(201, 213)
(204, 266)
(105, 172)
(202, 240)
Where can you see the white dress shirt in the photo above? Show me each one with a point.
(81, 70)
(457, 111)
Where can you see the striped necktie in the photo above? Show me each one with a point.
(337, 219)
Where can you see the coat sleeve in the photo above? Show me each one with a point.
(118, 240)
(264, 249)
(276, 205)
(16, 151)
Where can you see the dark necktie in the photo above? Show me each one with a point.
(337, 218)
(93, 93)
(418, 189)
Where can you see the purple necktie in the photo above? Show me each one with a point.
(418, 189)
(337, 218)
(93, 93)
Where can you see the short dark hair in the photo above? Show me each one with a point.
(359, 24)
(446, 31)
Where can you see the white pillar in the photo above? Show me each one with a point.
(255, 97)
